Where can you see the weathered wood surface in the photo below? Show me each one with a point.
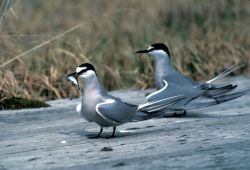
(55, 138)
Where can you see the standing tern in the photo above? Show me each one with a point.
(172, 82)
(106, 110)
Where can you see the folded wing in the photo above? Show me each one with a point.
(115, 111)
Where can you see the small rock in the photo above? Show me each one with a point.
(107, 149)
(133, 128)
(119, 164)
(35, 158)
(9, 145)
(149, 126)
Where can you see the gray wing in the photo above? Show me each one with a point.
(170, 90)
(184, 79)
(175, 77)
(159, 105)
(115, 111)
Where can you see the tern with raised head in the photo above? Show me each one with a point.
(172, 82)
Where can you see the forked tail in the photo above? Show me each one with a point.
(215, 101)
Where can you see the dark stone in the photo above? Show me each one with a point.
(107, 149)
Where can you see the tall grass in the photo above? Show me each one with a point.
(5, 7)
(203, 38)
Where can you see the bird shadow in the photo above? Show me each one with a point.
(191, 115)
(205, 115)
(137, 130)
(104, 135)
(188, 115)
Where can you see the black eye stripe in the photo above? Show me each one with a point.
(85, 67)
(160, 46)
(82, 71)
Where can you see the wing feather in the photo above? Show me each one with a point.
(115, 112)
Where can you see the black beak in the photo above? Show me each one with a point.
(73, 79)
(142, 51)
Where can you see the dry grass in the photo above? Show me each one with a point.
(203, 37)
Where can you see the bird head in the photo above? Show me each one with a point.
(157, 49)
(84, 71)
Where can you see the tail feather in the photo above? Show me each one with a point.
(141, 116)
(221, 91)
(158, 105)
(217, 100)
(209, 86)
(225, 98)
(226, 72)
(220, 86)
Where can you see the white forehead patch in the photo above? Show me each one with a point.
(149, 48)
(78, 69)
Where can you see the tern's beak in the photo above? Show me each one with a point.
(73, 79)
(142, 51)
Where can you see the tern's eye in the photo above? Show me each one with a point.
(83, 71)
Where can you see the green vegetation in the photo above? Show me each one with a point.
(19, 103)
(204, 37)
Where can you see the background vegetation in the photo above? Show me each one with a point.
(204, 37)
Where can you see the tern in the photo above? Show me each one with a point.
(169, 81)
(106, 110)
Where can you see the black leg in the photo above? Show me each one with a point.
(98, 135)
(113, 134)
(185, 113)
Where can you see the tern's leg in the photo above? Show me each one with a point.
(113, 134)
(185, 113)
(179, 115)
(98, 135)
